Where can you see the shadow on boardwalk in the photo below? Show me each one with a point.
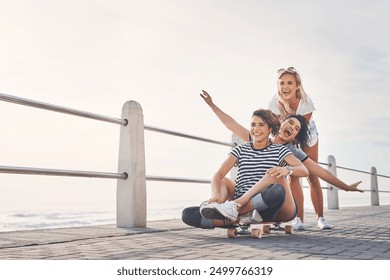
(360, 233)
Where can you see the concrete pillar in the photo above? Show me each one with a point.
(374, 187)
(332, 191)
(131, 192)
(235, 141)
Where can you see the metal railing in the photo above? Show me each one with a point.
(131, 177)
(332, 191)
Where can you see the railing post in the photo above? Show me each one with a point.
(332, 191)
(131, 192)
(235, 141)
(374, 188)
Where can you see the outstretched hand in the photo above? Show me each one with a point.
(206, 97)
(353, 187)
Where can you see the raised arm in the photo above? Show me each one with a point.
(328, 177)
(227, 120)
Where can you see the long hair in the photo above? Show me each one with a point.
(283, 105)
(303, 135)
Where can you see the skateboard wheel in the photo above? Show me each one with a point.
(232, 232)
(266, 228)
(256, 233)
(289, 229)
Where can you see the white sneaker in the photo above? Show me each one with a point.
(298, 225)
(206, 204)
(208, 211)
(323, 224)
(228, 209)
(251, 218)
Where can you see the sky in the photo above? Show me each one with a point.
(95, 55)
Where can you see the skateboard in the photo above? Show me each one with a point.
(256, 230)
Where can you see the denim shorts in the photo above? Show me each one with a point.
(313, 133)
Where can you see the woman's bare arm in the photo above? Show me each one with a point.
(328, 177)
(227, 120)
(216, 181)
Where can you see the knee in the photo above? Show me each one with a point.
(280, 192)
(274, 195)
(191, 216)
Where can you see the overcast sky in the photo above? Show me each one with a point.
(94, 55)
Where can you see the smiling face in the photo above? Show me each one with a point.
(287, 86)
(260, 130)
(289, 129)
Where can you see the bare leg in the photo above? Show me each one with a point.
(297, 193)
(315, 186)
(226, 191)
(288, 207)
(258, 187)
(223, 223)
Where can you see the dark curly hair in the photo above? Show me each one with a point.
(303, 135)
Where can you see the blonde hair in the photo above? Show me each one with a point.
(283, 105)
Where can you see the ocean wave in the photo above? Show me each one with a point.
(60, 219)
(39, 220)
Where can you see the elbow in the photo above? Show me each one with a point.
(217, 177)
(303, 172)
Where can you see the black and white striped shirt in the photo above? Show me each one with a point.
(253, 164)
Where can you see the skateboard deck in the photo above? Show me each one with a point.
(256, 230)
(253, 229)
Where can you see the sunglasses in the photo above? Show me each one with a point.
(289, 69)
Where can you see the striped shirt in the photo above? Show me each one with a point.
(253, 164)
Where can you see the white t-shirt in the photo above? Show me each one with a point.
(304, 108)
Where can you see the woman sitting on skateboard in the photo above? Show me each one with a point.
(254, 159)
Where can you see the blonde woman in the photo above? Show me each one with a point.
(292, 99)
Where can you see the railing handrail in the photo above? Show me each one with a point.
(355, 170)
(176, 179)
(59, 109)
(60, 172)
(184, 135)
